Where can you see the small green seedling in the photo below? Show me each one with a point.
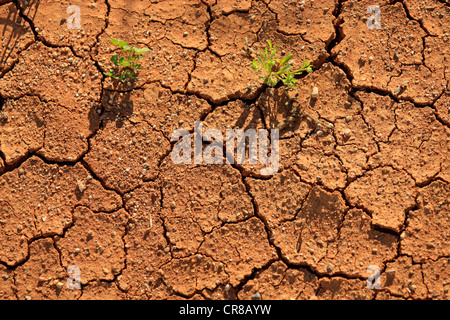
(126, 66)
(276, 69)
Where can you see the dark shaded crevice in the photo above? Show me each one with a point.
(194, 66)
(208, 35)
(436, 114)
(339, 35)
(52, 162)
(55, 246)
(399, 242)
(163, 221)
(10, 167)
(125, 256)
(410, 17)
(3, 158)
(96, 177)
(2, 102)
(125, 248)
(253, 275)
(432, 179)
(337, 39)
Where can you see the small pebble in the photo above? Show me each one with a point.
(81, 186)
(329, 268)
(315, 92)
(256, 296)
(346, 133)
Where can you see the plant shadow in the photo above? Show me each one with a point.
(117, 106)
(282, 110)
(15, 21)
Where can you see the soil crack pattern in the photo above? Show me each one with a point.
(93, 205)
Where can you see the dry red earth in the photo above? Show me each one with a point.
(86, 176)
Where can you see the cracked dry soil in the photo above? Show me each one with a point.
(86, 176)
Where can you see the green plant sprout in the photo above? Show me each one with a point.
(276, 69)
(126, 66)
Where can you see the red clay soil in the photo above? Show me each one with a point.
(87, 178)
